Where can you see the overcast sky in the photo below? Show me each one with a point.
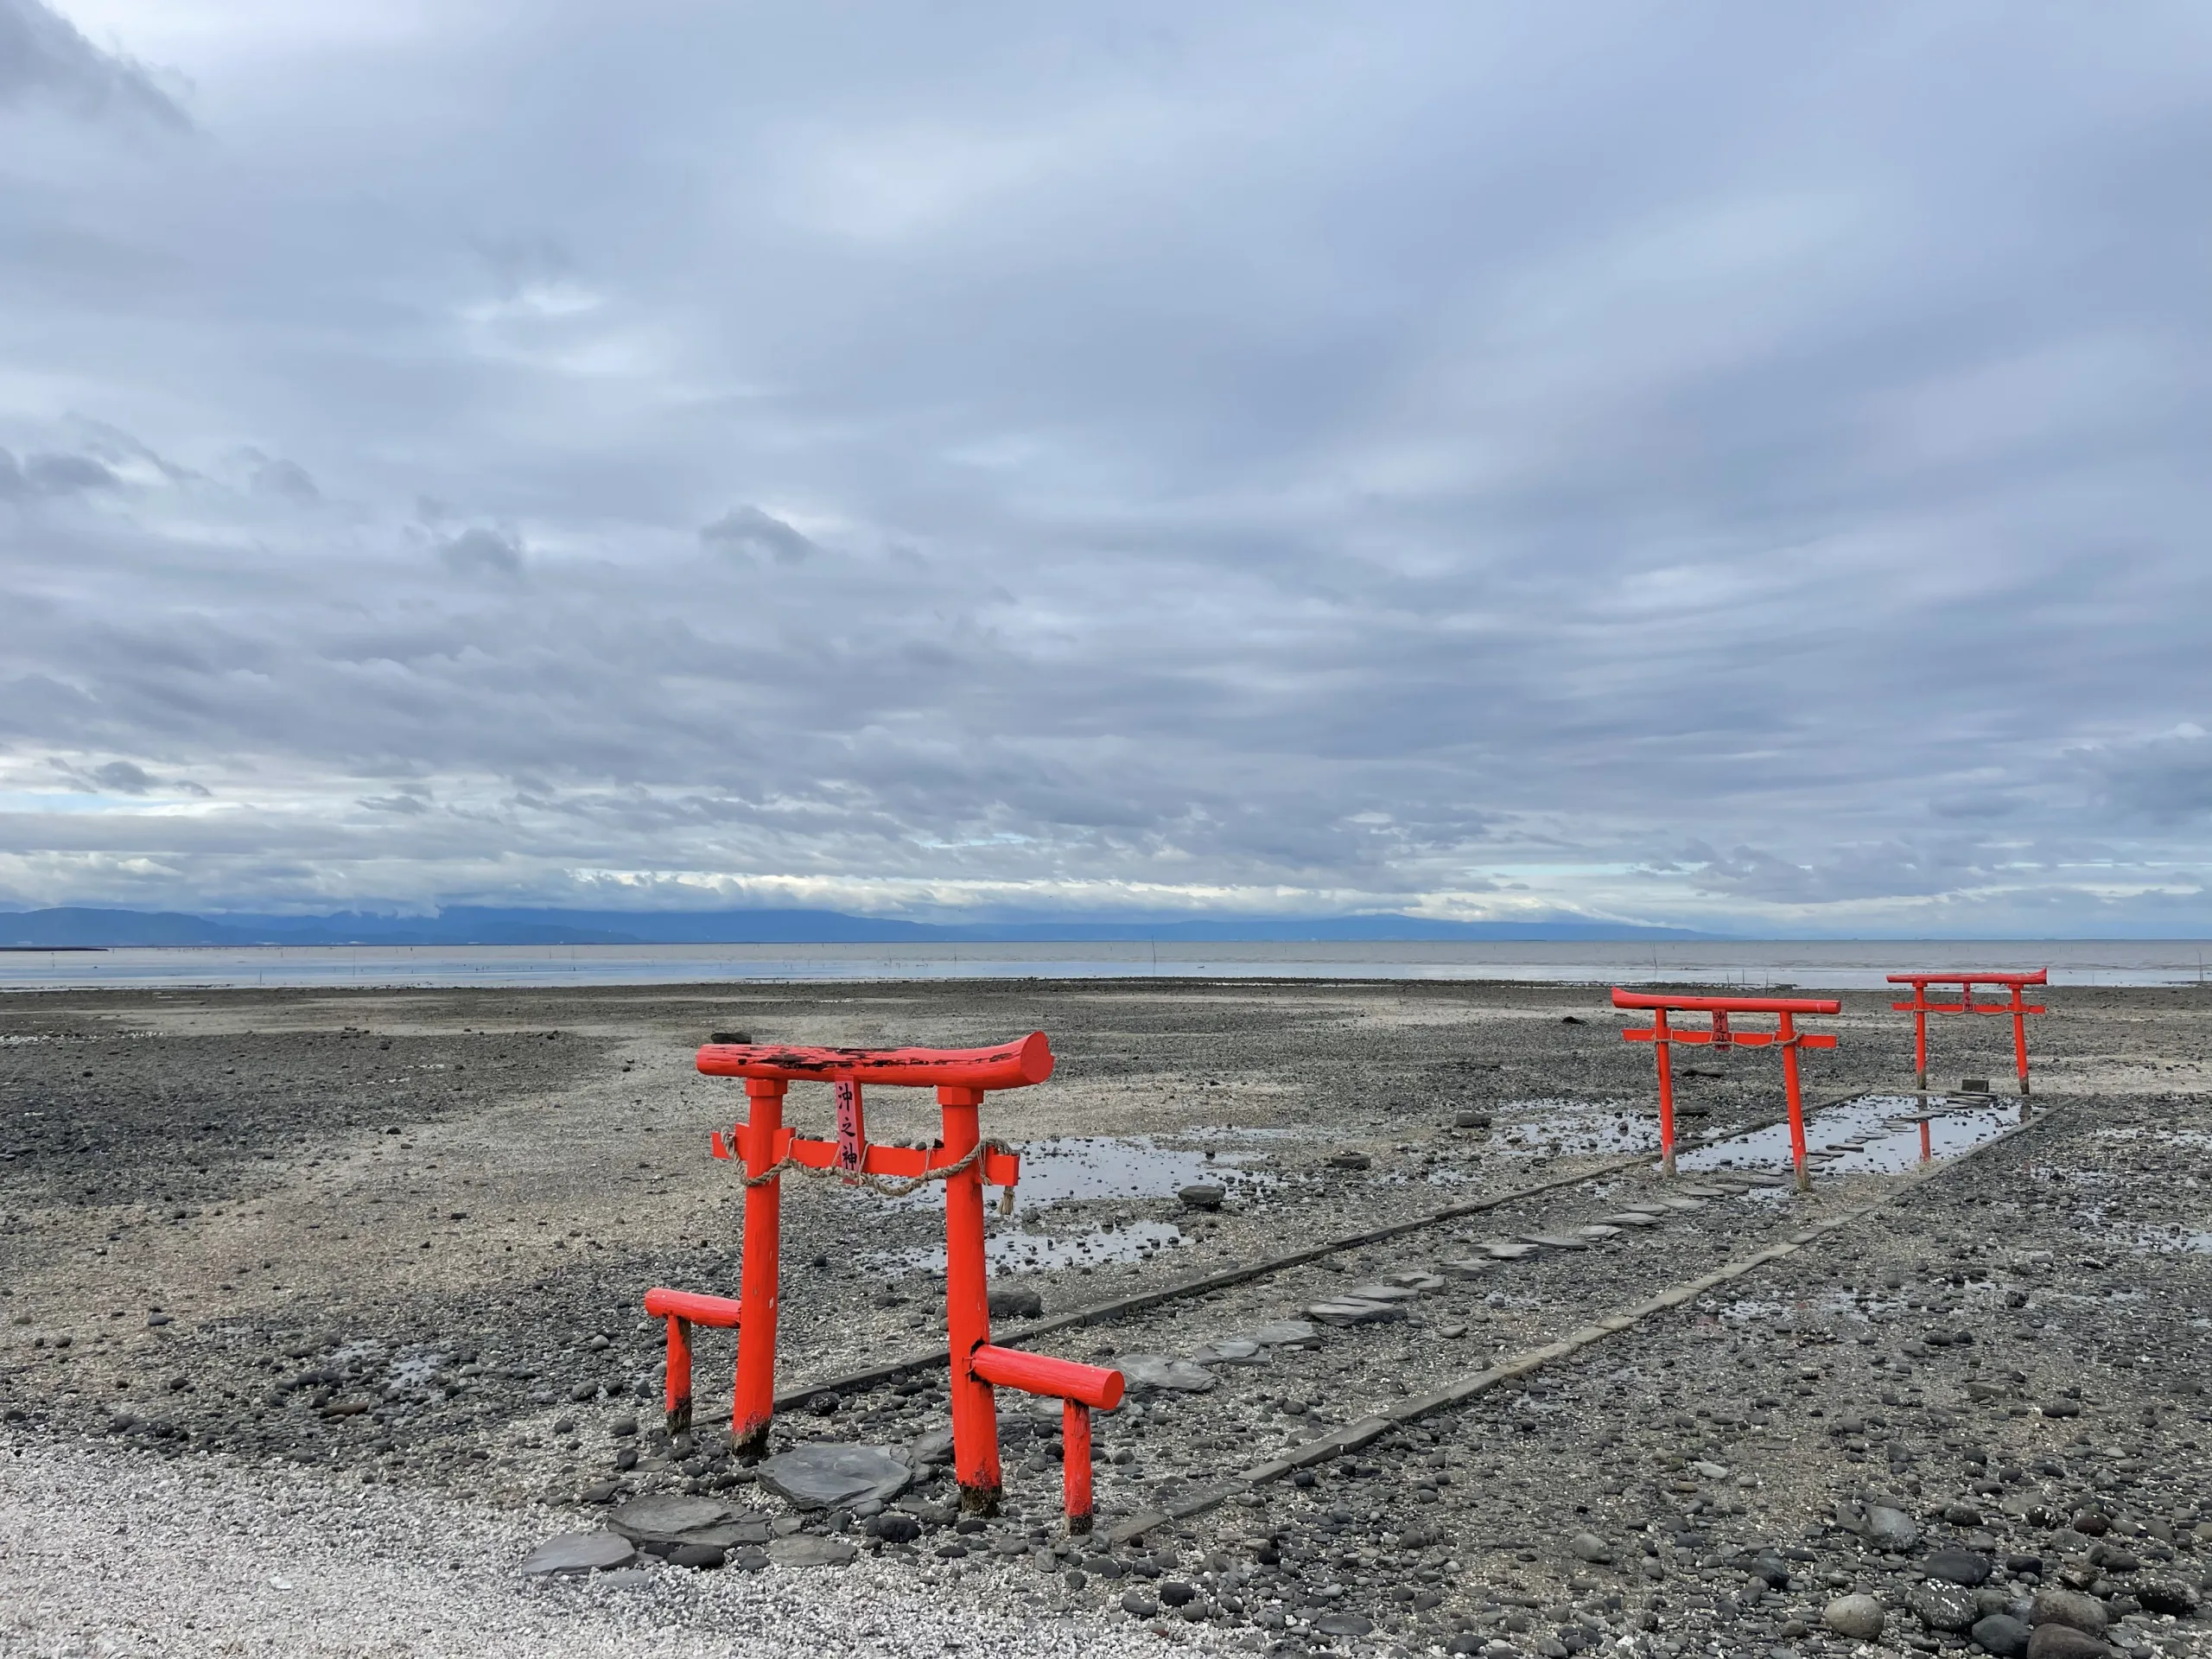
(1744, 465)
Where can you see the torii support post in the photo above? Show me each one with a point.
(1920, 1007)
(1662, 1036)
(962, 1077)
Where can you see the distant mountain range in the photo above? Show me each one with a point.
(74, 928)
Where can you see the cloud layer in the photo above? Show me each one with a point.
(1747, 472)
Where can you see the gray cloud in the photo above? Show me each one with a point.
(1478, 462)
(750, 531)
(42, 55)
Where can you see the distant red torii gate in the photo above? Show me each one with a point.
(1785, 1036)
(1920, 1007)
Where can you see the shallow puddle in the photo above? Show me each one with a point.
(1012, 1252)
(1871, 1135)
(1571, 1126)
(1071, 1167)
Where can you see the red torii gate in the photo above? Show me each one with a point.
(1920, 1007)
(1786, 1037)
(965, 1162)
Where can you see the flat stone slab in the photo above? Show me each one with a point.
(1229, 1351)
(1557, 1241)
(1283, 1333)
(667, 1519)
(1505, 1250)
(573, 1554)
(1596, 1230)
(1376, 1293)
(822, 1477)
(1684, 1204)
(1162, 1372)
(1347, 1310)
(1463, 1268)
(1633, 1218)
(804, 1549)
(1415, 1279)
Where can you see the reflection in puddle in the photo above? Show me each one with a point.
(1872, 1135)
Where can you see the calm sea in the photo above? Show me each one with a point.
(1821, 964)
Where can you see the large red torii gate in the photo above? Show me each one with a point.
(965, 1162)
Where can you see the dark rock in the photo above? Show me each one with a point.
(824, 1476)
(1351, 1160)
(623, 1428)
(1016, 1302)
(1960, 1566)
(1344, 1624)
(1138, 1605)
(2064, 1641)
(663, 1516)
(827, 1403)
(1471, 1120)
(573, 1554)
(1201, 1195)
(2002, 1635)
(2167, 1596)
(705, 1558)
(2069, 1607)
(896, 1529)
(1073, 1578)
(1943, 1607)
(1589, 1546)
(2018, 1564)
(1891, 1529)
(750, 1558)
(1174, 1592)
(1102, 1567)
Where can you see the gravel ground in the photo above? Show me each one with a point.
(342, 1289)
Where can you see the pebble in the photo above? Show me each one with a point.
(2002, 1635)
(1017, 1302)
(1589, 1546)
(1351, 1160)
(1201, 1195)
(1344, 1624)
(704, 1558)
(573, 1554)
(1138, 1605)
(1858, 1617)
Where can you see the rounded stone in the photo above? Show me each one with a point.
(1138, 1605)
(1859, 1617)
(2064, 1641)
(1201, 1195)
(2070, 1608)
(2002, 1635)
(704, 1558)
(1943, 1606)
(1174, 1592)
(1965, 1566)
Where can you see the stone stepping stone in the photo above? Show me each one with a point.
(826, 1476)
(1416, 1279)
(1505, 1250)
(1346, 1311)
(805, 1550)
(664, 1523)
(1229, 1351)
(1634, 1218)
(1160, 1371)
(571, 1555)
(1351, 1160)
(1557, 1241)
(1682, 1205)
(1598, 1230)
(1285, 1333)
(1703, 1192)
(1463, 1268)
(1377, 1292)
